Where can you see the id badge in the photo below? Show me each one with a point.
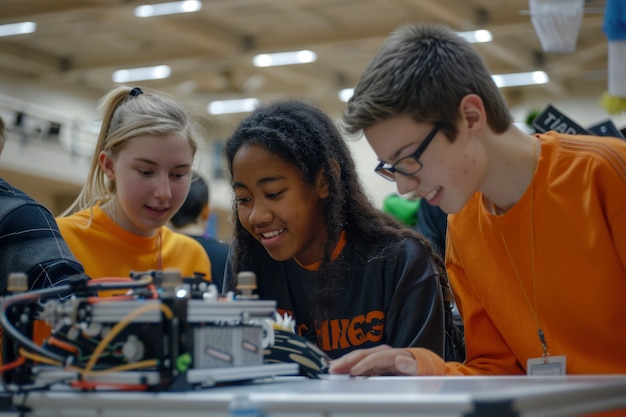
(552, 365)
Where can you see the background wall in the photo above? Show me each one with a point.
(53, 166)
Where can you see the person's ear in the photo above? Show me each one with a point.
(205, 213)
(323, 190)
(473, 112)
(107, 164)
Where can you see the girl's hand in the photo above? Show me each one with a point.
(379, 360)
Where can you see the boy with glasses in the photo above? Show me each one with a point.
(409, 164)
(536, 249)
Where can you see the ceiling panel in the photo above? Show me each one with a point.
(81, 42)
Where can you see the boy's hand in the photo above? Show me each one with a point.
(379, 360)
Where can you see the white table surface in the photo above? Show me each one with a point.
(350, 397)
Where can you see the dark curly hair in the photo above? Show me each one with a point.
(304, 136)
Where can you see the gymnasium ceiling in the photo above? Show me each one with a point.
(81, 42)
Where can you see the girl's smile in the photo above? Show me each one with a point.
(277, 207)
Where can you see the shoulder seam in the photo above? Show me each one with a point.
(602, 150)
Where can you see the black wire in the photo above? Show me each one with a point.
(33, 296)
(144, 282)
(25, 298)
(9, 330)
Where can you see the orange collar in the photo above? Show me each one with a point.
(340, 245)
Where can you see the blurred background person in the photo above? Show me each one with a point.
(192, 219)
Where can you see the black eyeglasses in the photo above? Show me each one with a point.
(407, 165)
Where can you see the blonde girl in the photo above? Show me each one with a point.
(139, 177)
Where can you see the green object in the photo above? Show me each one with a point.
(183, 362)
(402, 209)
(531, 117)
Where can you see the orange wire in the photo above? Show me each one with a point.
(93, 385)
(108, 279)
(63, 345)
(12, 365)
(94, 300)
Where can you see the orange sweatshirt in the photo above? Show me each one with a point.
(107, 250)
(578, 285)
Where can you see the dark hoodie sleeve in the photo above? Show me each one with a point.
(415, 316)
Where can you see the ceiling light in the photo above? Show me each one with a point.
(284, 58)
(175, 7)
(17, 28)
(520, 78)
(477, 36)
(232, 106)
(146, 73)
(501, 80)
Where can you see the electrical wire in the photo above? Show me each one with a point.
(169, 314)
(54, 341)
(88, 385)
(26, 298)
(12, 365)
(31, 351)
(40, 358)
(107, 283)
(119, 283)
(148, 363)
